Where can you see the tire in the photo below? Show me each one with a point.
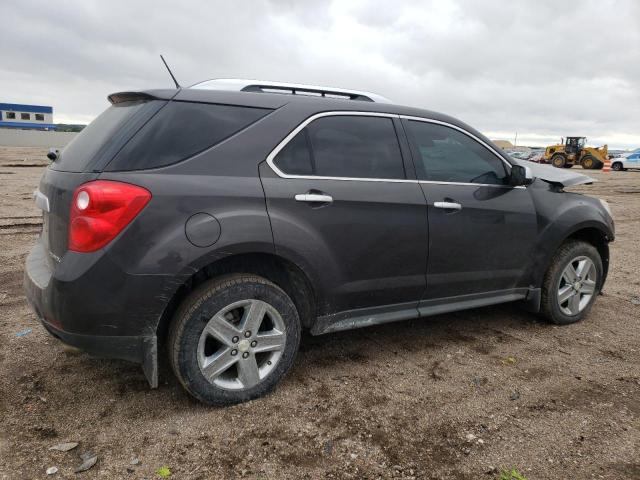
(558, 160)
(555, 284)
(229, 364)
(617, 166)
(589, 162)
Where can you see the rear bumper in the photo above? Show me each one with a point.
(141, 350)
(88, 302)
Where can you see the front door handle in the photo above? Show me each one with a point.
(448, 205)
(313, 198)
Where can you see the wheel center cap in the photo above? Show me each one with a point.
(244, 345)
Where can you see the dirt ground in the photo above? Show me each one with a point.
(457, 396)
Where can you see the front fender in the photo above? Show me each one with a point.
(562, 215)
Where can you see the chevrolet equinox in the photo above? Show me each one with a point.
(214, 223)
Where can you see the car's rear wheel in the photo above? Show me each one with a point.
(571, 283)
(233, 339)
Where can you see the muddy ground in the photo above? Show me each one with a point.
(458, 396)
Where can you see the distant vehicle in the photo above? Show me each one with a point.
(626, 161)
(575, 152)
(536, 157)
(519, 154)
(516, 154)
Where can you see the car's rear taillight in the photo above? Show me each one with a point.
(100, 210)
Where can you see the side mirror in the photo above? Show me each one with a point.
(520, 176)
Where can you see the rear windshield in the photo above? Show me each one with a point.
(101, 139)
(181, 130)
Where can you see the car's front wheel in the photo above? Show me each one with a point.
(233, 339)
(571, 283)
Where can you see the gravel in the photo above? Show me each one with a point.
(392, 401)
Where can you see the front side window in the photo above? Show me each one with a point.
(344, 146)
(448, 155)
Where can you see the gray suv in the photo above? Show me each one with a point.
(212, 224)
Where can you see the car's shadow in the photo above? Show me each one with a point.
(330, 354)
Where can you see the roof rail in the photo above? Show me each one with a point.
(262, 86)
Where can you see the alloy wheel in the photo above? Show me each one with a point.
(577, 285)
(241, 344)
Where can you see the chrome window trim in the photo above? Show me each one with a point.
(295, 131)
(436, 182)
(288, 138)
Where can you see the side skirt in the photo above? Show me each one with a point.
(366, 317)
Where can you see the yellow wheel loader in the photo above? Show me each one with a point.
(574, 152)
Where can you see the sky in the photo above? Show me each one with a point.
(542, 68)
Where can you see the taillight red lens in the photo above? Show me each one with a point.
(100, 210)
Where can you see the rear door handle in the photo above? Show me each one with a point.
(448, 205)
(313, 198)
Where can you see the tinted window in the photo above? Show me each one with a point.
(295, 157)
(448, 155)
(180, 130)
(352, 146)
(101, 137)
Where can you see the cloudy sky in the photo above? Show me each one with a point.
(542, 68)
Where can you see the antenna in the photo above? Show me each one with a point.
(170, 73)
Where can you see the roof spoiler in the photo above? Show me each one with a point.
(121, 97)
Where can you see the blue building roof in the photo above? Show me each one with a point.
(18, 107)
(39, 125)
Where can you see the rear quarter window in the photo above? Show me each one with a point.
(181, 130)
(96, 144)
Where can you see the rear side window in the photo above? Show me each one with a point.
(344, 146)
(181, 130)
(360, 147)
(448, 155)
(295, 157)
(98, 141)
